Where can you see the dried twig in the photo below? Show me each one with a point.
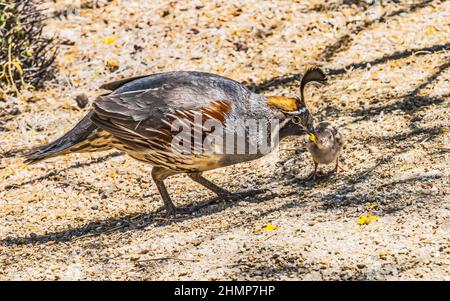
(167, 258)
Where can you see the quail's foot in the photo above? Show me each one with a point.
(170, 210)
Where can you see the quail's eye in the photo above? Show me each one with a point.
(296, 120)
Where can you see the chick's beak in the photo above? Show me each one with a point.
(312, 138)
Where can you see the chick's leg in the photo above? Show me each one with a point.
(312, 176)
(338, 167)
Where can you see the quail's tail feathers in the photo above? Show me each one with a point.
(314, 74)
(83, 137)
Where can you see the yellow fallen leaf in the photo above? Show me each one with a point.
(68, 57)
(366, 219)
(362, 220)
(109, 40)
(431, 30)
(18, 67)
(270, 227)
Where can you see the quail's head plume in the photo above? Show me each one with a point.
(138, 116)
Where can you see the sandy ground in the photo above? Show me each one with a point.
(98, 216)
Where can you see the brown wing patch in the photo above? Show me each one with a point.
(218, 111)
(141, 137)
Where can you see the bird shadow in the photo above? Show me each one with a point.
(345, 191)
(348, 194)
(284, 80)
(59, 171)
(342, 43)
(341, 196)
(138, 220)
(409, 102)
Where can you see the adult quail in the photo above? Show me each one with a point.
(325, 143)
(137, 117)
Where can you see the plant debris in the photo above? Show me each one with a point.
(367, 219)
(27, 55)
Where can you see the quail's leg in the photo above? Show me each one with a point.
(168, 205)
(158, 175)
(197, 177)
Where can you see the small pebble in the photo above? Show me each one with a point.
(14, 111)
(82, 100)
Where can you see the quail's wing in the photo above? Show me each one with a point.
(146, 116)
(111, 86)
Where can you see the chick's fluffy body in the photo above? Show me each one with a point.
(328, 143)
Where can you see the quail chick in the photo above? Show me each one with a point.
(325, 144)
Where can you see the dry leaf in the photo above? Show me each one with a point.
(112, 65)
(270, 227)
(109, 40)
(366, 219)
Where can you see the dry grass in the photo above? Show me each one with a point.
(95, 217)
